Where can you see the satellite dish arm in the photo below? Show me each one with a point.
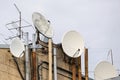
(76, 53)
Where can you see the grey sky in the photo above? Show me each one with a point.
(97, 20)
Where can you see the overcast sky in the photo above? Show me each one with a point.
(98, 21)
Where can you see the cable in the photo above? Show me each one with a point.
(18, 68)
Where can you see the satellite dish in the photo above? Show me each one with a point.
(17, 47)
(73, 44)
(42, 25)
(104, 70)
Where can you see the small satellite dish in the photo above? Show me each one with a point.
(42, 25)
(104, 70)
(17, 47)
(73, 44)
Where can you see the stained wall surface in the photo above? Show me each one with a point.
(9, 71)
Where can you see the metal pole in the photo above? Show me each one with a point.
(27, 62)
(111, 57)
(50, 58)
(20, 26)
(73, 70)
(86, 64)
(110, 53)
(55, 65)
(79, 69)
(19, 33)
(34, 65)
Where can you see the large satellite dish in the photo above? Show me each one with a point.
(17, 47)
(42, 25)
(104, 70)
(73, 44)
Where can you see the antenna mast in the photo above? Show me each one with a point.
(19, 29)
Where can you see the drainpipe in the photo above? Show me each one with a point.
(55, 65)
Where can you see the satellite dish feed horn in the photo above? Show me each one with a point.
(42, 25)
(73, 44)
(17, 47)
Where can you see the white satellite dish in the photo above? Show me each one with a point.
(104, 70)
(42, 24)
(73, 44)
(17, 47)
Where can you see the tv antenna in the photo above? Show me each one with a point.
(104, 70)
(17, 25)
(73, 44)
(43, 27)
(17, 47)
